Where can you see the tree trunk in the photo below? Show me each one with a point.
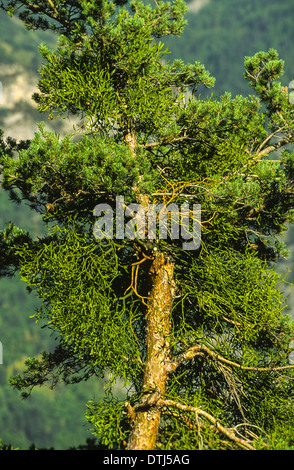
(147, 417)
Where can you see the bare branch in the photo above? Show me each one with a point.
(269, 137)
(228, 432)
(271, 148)
(172, 141)
(199, 350)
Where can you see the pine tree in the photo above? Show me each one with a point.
(193, 328)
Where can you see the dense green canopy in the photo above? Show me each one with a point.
(146, 134)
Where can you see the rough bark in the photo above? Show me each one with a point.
(147, 417)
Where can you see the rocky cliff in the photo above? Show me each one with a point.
(18, 111)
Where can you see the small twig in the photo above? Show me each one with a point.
(53, 6)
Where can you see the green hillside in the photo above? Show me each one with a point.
(20, 46)
(223, 32)
(219, 35)
(48, 418)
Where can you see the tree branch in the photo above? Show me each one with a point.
(199, 350)
(43, 9)
(53, 7)
(228, 432)
(172, 141)
(271, 148)
(269, 137)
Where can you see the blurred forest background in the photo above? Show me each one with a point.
(220, 34)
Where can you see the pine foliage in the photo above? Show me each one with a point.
(145, 131)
